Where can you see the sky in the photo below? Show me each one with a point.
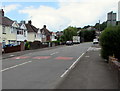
(59, 14)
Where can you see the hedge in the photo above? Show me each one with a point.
(110, 42)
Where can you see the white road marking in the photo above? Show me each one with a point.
(54, 53)
(72, 66)
(87, 56)
(12, 55)
(69, 46)
(75, 45)
(93, 49)
(88, 48)
(15, 66)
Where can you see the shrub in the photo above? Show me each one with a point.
(110, 42)
(27, 46)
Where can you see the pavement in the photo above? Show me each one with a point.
(91, 72)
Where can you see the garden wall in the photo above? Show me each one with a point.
(115, 65)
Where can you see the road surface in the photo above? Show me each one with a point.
(41, 69)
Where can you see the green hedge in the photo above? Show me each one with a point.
(55, 41)
(110, 42)
(27, 46)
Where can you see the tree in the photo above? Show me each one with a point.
(100, 27)
(87, 35)
(97, 26)
(103, 26)
(69, 33)
(86, 26)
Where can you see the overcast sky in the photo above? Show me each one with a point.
(60, 14)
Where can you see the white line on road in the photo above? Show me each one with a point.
(69, 46)
(12, 55)
(72, 66)
(54, 53)
(88, 49)
(15, 66)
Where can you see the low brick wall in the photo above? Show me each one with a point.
(12, 49)
(115, 65)
(37, 45)
(0, 49)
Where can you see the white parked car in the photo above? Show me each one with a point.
(95, 41)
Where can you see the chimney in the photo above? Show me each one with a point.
(44, 26)
(2, 12)
(30, 22)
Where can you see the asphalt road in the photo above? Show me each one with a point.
(41, 69)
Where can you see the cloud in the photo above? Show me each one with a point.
(73, 13)
(10, 8)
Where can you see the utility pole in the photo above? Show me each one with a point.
(99, 27)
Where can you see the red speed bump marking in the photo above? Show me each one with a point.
(42, 57)
(64, 58)
(21, 57)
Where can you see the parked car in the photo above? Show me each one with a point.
(9, 45)
(69, 43)
(95, 41)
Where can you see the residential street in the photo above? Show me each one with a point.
(60, 45)
(42, 69)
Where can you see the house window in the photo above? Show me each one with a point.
(17, 31)
(43, 36)
(40, 35)
(24, 33)
(9, 41)
(20, 32)
(3, 43)
(3, 30)
(35, 35)
(12, 29)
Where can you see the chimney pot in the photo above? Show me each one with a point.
(2, 12)
(44, 26)
(30, 22)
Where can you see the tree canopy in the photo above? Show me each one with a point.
(69, 33)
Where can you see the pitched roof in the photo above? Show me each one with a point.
(46, 31)
(6, 21)
(31, 28)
